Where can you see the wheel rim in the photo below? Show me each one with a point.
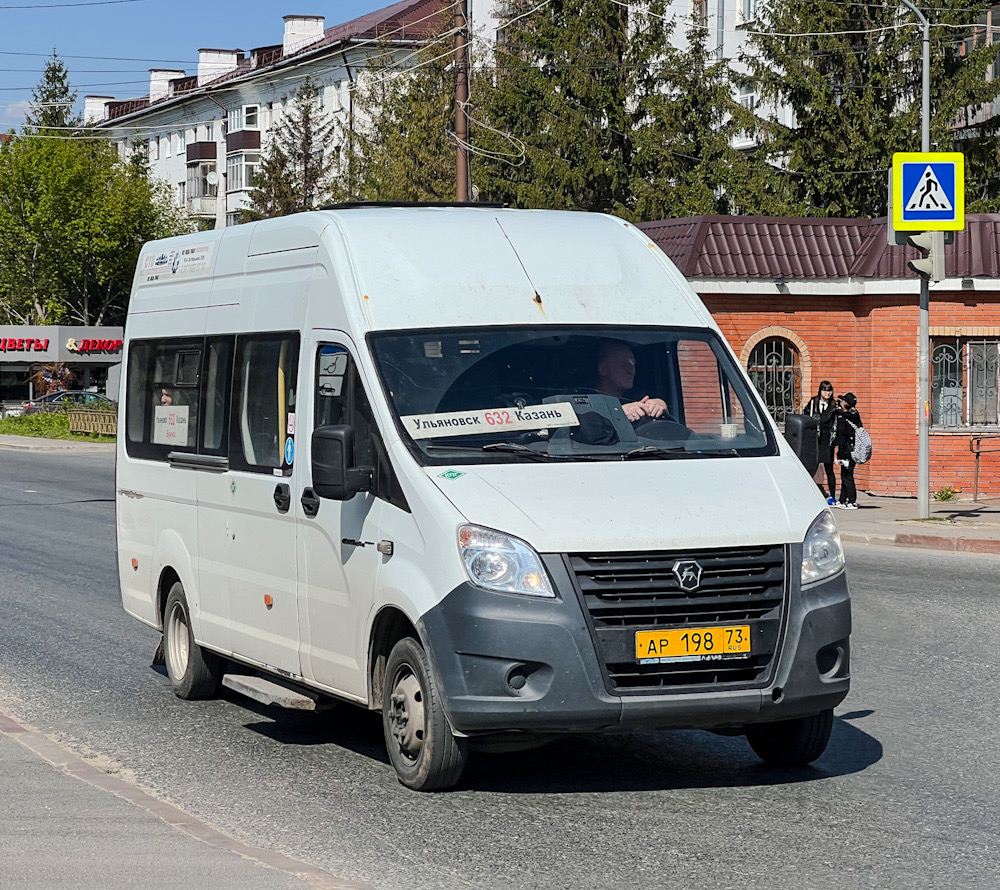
(178, 641)
(406, 713)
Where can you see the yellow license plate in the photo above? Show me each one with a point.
(692, 643)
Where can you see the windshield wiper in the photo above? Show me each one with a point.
(676, 451)
(505, 447)
(515, 448)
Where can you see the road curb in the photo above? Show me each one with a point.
(928, 542)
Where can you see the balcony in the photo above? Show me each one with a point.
(202, 151)
(206, 206)
(244, 140)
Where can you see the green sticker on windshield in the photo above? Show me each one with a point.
(451, 474)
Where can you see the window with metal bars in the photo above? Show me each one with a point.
(775, 370)
(965, 383)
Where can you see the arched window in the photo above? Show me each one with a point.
(776, 372)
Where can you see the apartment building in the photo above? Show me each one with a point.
(204, 131)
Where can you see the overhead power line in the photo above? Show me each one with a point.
(68, 5)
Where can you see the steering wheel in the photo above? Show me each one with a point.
(663, 428)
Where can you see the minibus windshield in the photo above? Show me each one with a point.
(518, 394)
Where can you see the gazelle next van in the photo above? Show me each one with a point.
(495, 473)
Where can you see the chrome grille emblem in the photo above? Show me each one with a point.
(688, 573)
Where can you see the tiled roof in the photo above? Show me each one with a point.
(760, 247)
(408, 20)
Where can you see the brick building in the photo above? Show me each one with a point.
(802, 300)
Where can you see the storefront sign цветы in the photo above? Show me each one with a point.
(25, 344)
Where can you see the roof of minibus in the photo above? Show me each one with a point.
(420, 267)
(433, 267)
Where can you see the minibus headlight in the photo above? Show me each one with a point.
(495, 561)
(822, 552)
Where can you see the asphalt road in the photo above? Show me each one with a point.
(907, 794)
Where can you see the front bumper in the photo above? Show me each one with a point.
(507, 662)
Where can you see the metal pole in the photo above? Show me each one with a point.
(461, 104)
(923, 363)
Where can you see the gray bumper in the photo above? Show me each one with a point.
(510, 662)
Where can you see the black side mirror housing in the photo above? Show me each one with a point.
(802, 433)
(333, 472)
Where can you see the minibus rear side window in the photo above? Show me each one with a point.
(162, 411)
(264, 382)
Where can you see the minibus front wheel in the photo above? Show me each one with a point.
(792, 743)
(424, 752)
(193, 672)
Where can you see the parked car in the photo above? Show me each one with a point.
(56, 401)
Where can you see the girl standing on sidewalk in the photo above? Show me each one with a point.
(823, 407)
(848, 420)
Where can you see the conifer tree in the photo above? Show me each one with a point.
(296, 167)
(563, 82)
(686, 124)
(851, 75)
(52, 100)
(401, 144)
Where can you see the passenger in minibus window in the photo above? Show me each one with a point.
(616, 376)
(166, 396)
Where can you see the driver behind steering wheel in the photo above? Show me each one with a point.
(615, 376)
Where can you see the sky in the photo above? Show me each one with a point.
(109, 47)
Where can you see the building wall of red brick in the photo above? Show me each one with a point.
(869, 346)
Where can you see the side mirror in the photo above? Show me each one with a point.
(333, 472)
(802, 433)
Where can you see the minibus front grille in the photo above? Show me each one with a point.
(625, 593)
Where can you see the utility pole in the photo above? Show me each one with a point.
(462, 101)
(923, 363)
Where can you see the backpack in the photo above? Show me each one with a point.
(861, 453)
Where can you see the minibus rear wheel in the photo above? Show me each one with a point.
(792, 742)
(424, 751)
(193, 672)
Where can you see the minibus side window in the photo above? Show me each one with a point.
(264, 381)
(162, 411)
(341, 398)
(215, 395)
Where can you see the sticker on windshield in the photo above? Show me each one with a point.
(489, 420)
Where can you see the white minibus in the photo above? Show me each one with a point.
(494, 473)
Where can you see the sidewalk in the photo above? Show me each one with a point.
(961, 526)
(60, 827)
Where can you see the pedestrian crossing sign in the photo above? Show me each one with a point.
(928, 191)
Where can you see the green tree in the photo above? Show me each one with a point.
(297, 163)
(592, 106)
(686, 122)
(555, 121)
(400, 145)
(52, 100)
(72, 220)
(851, 74)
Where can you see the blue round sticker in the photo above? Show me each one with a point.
(289, 450)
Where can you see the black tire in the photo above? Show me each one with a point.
(193, 672)
(422, 748)
(792, 742)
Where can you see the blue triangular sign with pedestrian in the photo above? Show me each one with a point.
(929, 193)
